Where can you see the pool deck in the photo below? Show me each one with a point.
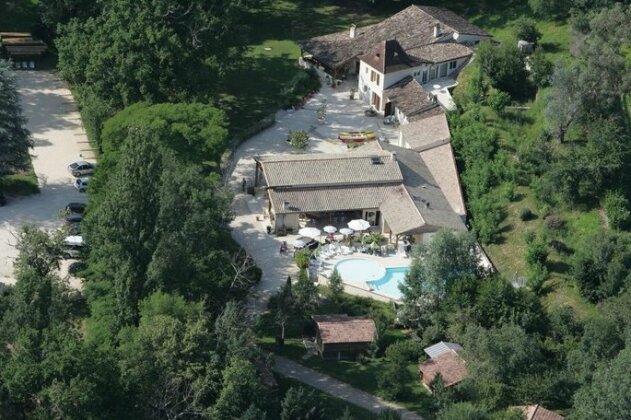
(387, 261)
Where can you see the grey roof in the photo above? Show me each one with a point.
(441, 163)
(439, 52)
(425, 193)
(426, 133)
(411, 27)
(329, 198)
(409, 97)
(312, 170)
(443, 347)
(408, 196)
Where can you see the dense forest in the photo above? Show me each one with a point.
(160, 329)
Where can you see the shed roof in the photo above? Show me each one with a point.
(411, 27)
(442, 347)
(312, 170)
(441, 163)
(426, 131)
(345, 329)
(450, 366)
(537, 412)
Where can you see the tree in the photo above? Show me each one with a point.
(498, 101)
(241, 388)
(336, 286)
(437, 267)
(391, 380)
(15, 139)
(504, 65)
(301, 403)
(298, 139)
(283, 306)
(550, 8)
(607, 396)
(564, 103)
(617, 209)
(526, 29)
(234, 339)
(463, 411)
(601, 265)
(540, 69)
(306, 294)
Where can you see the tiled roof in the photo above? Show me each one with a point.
(451, 367)
(310, 170)
(325, 199)
(441, 348)
(411, 27)
(424, 192)
(537, 412)
(409, 97)
(388, 57)
(345, 329)
(442, 164)
(426, 133)
(439, 52)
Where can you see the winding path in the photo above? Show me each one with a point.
(338, 389)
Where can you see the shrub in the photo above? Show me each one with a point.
(298, 139)
(336, 286)
(525, 214)
(504, 65)
(304, 82)
(536, 253)
(498, 100)
(525, 29)
(554, 222)
(404, 351)
(391, 380)
(537, 275)
(617, 209)
(302, 258)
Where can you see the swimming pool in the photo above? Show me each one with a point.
(362, 273)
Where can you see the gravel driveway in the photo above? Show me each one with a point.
(55, 124)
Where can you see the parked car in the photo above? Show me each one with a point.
(81, 168)
(72, 247)
(73, 218)
(76, 267)
(81, 183)
(3, 199)
(78, 208)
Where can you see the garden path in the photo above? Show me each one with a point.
(338, 389)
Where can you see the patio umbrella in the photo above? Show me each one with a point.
(346, 231)
(358, 224)
(329, 229)
(299, 243)
(310, 232)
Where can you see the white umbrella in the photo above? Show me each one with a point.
(311, 232)
(329, 229)
(299, 243)
(346, 231)
(358, 224)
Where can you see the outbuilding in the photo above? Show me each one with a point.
(342, 336)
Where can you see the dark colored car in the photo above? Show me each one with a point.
(78, 208)
(73, 218)
(3, 199)
(77, 267)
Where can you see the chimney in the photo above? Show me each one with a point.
(353, 29)
(436, 30)
(393, 156)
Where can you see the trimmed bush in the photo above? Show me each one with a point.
(302, 258)
(617, 209)
(298, 139)
(554, 222)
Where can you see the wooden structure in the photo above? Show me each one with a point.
(449, 365)
(342, 336)
(22, 47)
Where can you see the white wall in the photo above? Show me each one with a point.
(363, 80)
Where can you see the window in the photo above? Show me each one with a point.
(374, 77)
(453, 64)
(432, 73)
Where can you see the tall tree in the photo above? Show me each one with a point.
(15, 139)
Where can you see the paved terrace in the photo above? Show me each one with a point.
(342, 115)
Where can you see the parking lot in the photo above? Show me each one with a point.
(55, 124)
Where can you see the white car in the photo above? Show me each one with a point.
(81, 168)
(73, 246)
(81, 183)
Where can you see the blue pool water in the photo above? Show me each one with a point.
(389, 284)
(362, 273)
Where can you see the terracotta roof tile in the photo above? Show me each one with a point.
(345, 329)
(451, 367)
(537, 412)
